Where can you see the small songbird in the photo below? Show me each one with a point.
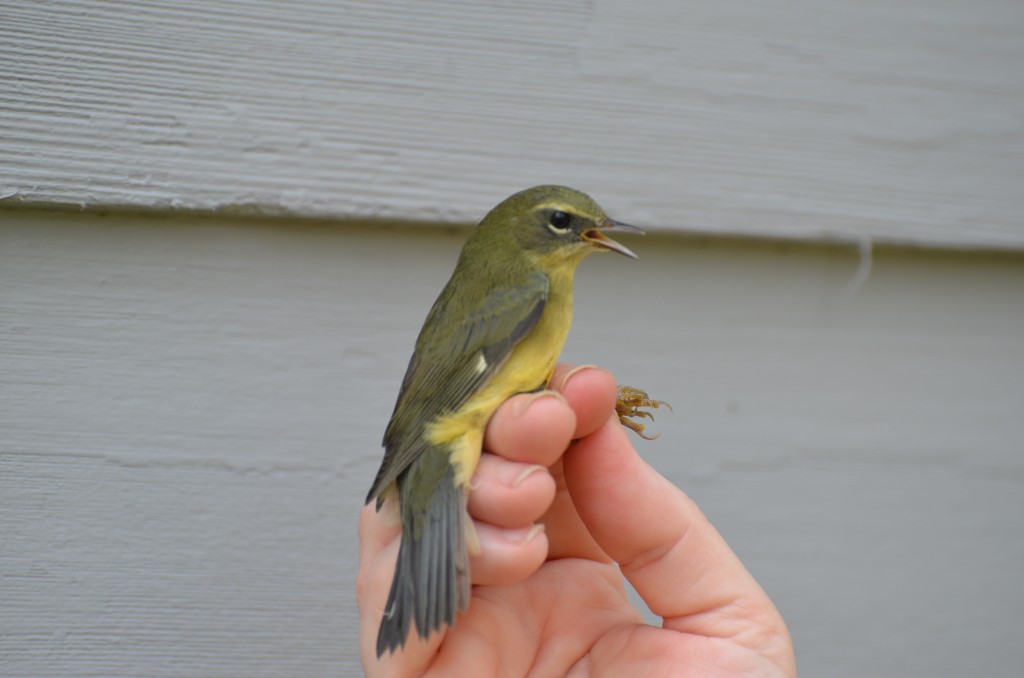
(496, 330)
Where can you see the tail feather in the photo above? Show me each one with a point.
(431, 583)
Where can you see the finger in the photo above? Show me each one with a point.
(591, 393)
(533, 428)
(507, 556)
(373, 583)
(568, 536)
(377, 529)
(509, 494)
(668, 550)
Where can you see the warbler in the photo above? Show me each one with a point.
(496, 330)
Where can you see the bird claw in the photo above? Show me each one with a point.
(628, 405)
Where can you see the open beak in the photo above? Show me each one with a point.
(596, 236)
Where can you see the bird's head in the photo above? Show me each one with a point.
(554, 225)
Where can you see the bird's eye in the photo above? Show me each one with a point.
(559, 221)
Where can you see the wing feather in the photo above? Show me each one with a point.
(442, 376)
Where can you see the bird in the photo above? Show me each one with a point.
(496, 329)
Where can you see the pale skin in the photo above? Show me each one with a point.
(560, 496)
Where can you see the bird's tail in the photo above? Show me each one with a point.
(431, 581)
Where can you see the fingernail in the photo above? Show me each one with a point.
(526, 473)
(571, 373)
(523, 404)
(534, 531)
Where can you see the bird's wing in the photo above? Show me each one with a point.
(443, 377)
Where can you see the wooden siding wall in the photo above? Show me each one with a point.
(844, 119)
(191, 412)
(192, 394)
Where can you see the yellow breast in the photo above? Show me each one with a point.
(528, 368)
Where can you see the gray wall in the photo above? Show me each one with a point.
(841, 119)
(192, 409)
(221, 225)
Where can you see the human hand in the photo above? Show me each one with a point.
(558, 500)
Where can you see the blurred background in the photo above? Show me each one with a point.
(222, 224)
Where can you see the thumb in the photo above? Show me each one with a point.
(671, 554)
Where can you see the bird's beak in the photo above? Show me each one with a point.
(596, 237)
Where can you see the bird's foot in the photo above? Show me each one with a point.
(628, 407)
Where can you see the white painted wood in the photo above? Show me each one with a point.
(191, 410)
(834, 119)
